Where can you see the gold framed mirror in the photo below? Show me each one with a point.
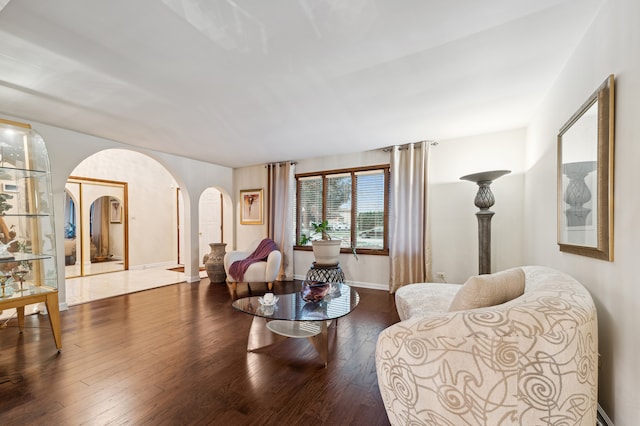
(585, 177)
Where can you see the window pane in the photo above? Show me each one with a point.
(370, 209)
(362, 218)
(310, 202)
(339, 207)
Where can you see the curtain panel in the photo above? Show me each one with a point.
(281, 180)
(409, 239)
(100, 234)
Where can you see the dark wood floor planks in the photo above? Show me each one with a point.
(177, 355)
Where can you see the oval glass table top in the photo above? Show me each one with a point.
(339, 301)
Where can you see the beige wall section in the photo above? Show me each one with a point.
(610, 46)
(254, 177)
(454, 226)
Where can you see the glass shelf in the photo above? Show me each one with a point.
(12, 290)
(21, 173)
(25, 257)
(25, 215)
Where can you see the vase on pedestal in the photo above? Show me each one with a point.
(577, 192)
(214, 263)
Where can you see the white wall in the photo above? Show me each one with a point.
(151, 202)
(454, 226)
(610, 46)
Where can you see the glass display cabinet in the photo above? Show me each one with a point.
(28, 267)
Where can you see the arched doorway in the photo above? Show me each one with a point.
(211, 223)
(141, 210)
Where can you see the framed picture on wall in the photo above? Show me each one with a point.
(585, 177)
(115, 215)
(251, 206)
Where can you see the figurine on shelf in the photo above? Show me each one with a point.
(6, 290)
(20, 272)
(7, 233)
(4, 250)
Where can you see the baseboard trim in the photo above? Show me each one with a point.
(372, 286)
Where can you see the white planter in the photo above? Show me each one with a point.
(326, 252)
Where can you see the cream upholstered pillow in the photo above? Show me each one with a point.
(488, 290)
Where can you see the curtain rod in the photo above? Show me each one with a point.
(281, 163)
(406, 145)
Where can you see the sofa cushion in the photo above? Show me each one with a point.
(422, 299)
(482, 291)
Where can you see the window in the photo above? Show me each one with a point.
(354, 202)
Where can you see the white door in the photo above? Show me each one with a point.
(210, 213)
(180, 227)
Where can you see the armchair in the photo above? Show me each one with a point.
(260, 271)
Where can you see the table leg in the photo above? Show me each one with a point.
(232, 286)
(321, 341)
(20, 310)
(54, 317)
(260, 336)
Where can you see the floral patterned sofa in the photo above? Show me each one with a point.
(530, 361)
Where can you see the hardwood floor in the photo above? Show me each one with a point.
(177, 355)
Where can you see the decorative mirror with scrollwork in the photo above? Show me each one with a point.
(585, 177)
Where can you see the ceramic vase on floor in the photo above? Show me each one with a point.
(214, 263)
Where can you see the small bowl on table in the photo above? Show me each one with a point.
(314, 291)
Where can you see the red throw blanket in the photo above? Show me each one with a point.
(239, 267)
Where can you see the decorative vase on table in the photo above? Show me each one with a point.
(314, 291)
(214, 263)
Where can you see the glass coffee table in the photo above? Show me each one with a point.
(293, 317)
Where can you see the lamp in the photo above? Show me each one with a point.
(484, 199)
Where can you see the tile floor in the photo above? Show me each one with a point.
(95, 287)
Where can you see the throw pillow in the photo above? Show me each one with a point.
(481, 291)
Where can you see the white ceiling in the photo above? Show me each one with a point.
(243, 82)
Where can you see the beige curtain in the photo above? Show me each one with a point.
(280, 218)
(100, 236)
(409, 240)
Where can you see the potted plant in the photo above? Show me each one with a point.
(325, 249)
